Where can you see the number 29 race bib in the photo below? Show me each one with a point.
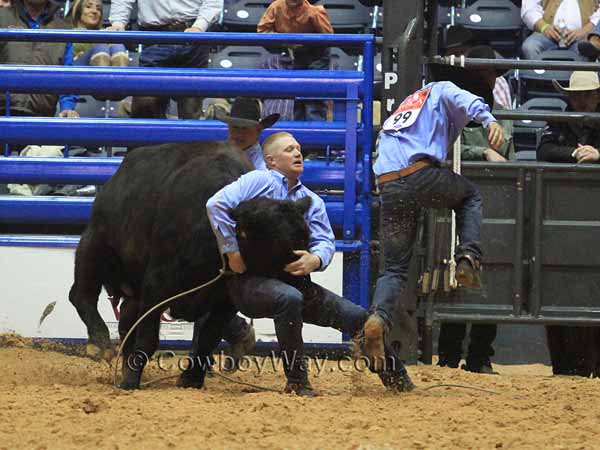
(407, 112)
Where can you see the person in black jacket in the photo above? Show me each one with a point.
(573, 350)
(574, 142)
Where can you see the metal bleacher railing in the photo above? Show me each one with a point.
(346, 187)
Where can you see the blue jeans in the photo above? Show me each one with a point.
(289, 307)
(401, 204)
(170, 55)
(110, 49)
(537, 43)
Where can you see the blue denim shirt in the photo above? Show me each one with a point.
(445, 112)
(271, 184)
(255, 156)
(65, 101)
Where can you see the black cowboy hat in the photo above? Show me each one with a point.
(459, 36)
(469, 79)
(245, 112)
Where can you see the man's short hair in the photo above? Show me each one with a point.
(269, 144)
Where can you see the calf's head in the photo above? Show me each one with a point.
(268, 231)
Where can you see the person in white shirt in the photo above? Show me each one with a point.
(557, 24)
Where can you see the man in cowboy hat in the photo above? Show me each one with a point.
(244, 128)
(412, 143)
(574, 142)
(245, 125)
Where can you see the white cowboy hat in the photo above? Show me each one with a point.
(580, 81)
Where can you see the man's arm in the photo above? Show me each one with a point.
(531, 13)
(67, 102)
(320, 20)
(266, 24)
(251, 185)
(207, 15)
(120, 12)
(322, 239)
(550, 150)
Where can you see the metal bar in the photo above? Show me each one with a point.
(366, 139)
(591, 118)
(538, 222)
(483, 63)
(77, 210)
(528, 319)
(431, 266)
(179, 82)
(164, 37)
(42, 240)
(135, 132)
(350, 165)
(519, 241)
(317, 174)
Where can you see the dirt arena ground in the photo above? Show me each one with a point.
(51, 400)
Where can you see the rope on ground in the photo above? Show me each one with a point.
(222, 272)
(461, 386)
(219, 374)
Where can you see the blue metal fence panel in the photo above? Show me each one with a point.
(135, 132)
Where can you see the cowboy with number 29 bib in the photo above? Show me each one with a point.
(412, 143)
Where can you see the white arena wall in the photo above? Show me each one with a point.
(32, 277)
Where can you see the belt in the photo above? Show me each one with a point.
(173, 26)
(393, 176)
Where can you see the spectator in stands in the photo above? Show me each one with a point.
(298, 16)
(35, 14)
(475, 146)
(557, 24)
(574, 142)
(244, 128)
(459, 40)
(413, 142)
(573, 350)
(4, 3)
(87, 15)
(192, 16)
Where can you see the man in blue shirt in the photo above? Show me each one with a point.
(244, 128)
(413, 142)
(289, 304)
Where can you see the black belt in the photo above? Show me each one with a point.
(174, 26)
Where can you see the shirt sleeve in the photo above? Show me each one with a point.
(266, 24)
(67, 102)
(320, 20)
(595, 18)
(208, 14)
(531, 12)
(257, 183)
(464, 106)
(120, 12)
(550, 150)
(322, 239)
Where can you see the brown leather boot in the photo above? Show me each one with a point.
(468, 271)
(373, 346)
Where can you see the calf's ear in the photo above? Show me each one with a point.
(304, 204)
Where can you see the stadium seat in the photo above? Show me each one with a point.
(88, 106)
(526, 132)
(340, 60)
(497, 22)
(347, 16)
(244, 15)
(538, 83)
(238, 57)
